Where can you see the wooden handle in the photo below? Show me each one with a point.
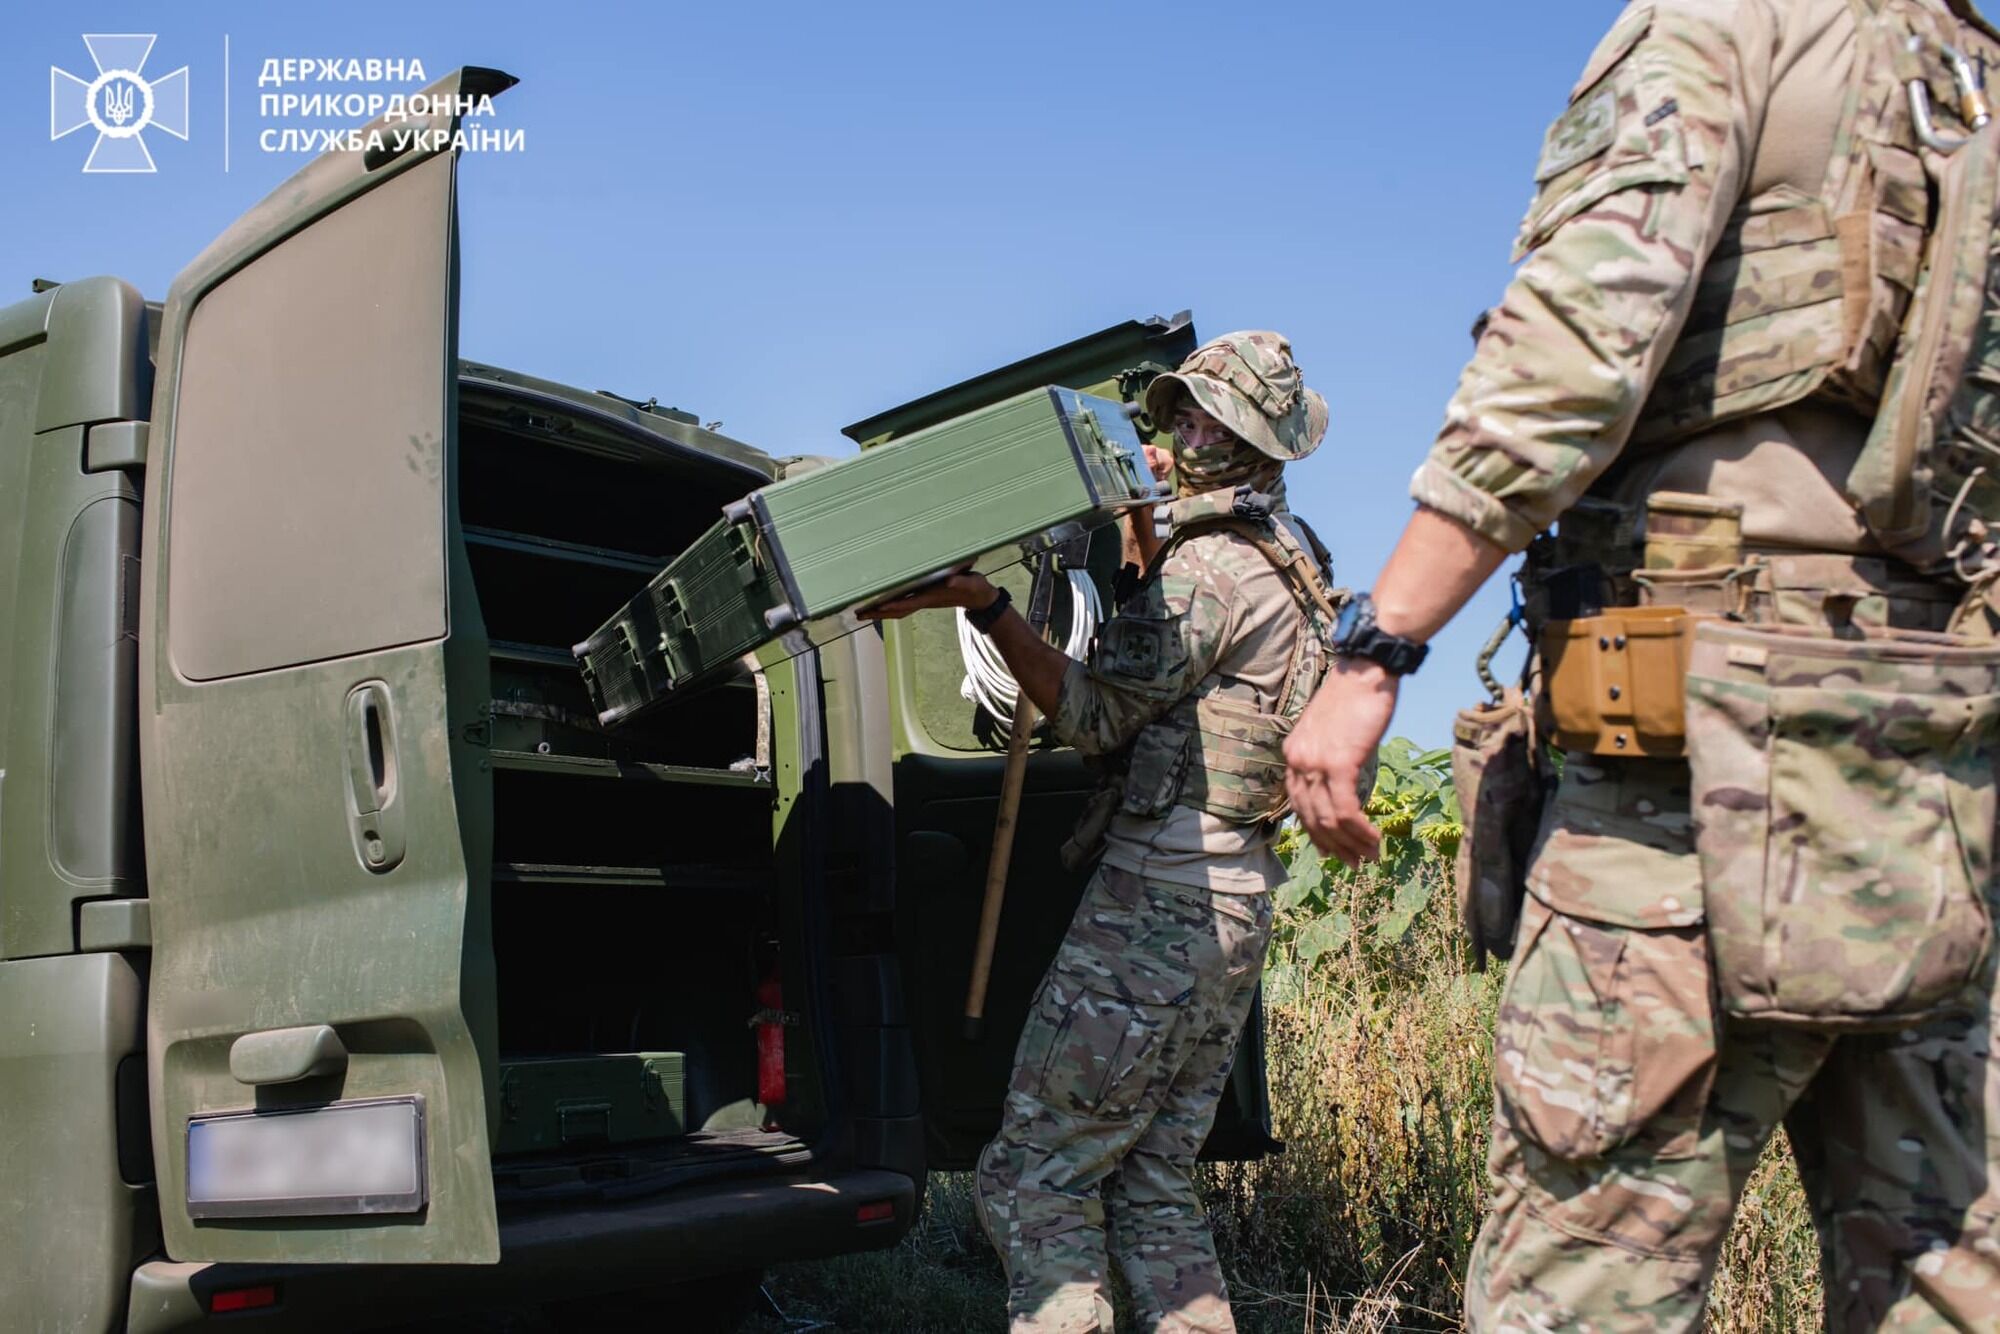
(1011, 781)
(1019, 735)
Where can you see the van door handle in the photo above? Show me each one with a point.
(374, 802)
(287, 1055)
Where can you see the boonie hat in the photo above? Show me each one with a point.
(1248, 382)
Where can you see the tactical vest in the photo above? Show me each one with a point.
(1216, 750)
(1808, 295)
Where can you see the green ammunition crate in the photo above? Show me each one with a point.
(562, 1102)
(810, 547)
(708, 608)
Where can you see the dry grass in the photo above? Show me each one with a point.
(1769, 1278)
(1381, 1089)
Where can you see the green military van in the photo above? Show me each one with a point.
(350, 968)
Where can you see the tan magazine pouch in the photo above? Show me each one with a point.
(1614, 680)
(1843, 799)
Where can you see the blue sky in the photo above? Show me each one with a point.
(790, 216)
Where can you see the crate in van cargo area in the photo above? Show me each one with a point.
(560, 1102)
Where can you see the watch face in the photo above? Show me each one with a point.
(1348, 621)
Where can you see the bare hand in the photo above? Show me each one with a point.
(1327, 752)
(962, 588)
(1160, 461)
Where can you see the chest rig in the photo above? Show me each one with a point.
(1220, 747)
(1925, 478)
(1809, 294)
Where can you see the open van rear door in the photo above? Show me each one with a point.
(317, 804)
(948, 761)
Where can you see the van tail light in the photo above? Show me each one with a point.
(881, 1211)
(770, 1025)
(243, 1299)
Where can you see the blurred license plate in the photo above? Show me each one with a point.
(348, 1158)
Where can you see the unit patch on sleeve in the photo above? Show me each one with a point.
(1579, 134)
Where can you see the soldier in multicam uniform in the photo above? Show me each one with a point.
(1188, 692)
(1730, 221)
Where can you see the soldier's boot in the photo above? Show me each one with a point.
(1071, 1308)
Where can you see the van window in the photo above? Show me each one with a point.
(306, 516)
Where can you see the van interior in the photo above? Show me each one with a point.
(646, 935)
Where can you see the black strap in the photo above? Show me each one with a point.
(1250, 504)
(1314, 545)
(1125, 583)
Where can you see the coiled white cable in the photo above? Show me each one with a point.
(987, 681)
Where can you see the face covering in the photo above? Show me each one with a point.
(1230, 463)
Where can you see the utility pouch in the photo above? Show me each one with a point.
(1685, 531)
(1086, 842)
(1569, 592)
(1843, 798)
(1721, 590)
(1614, 680)
(1501, 788)
(1157, 769)
(1597, 545)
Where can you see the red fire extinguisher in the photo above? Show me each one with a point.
(769, 1022)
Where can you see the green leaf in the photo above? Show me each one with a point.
(1284, 984)
(1471, 988)
(1323, 934)
(1412, 896)
(1308, 879)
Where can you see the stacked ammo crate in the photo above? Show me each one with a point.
(798, 554)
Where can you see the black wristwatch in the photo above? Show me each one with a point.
(988, 616)
(1356, 636)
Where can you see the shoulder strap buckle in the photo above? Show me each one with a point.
(1251, 504)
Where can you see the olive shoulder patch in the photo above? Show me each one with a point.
(1579, 134)
(1590, 125)
(1139, 650)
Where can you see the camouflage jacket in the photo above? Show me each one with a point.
(1728, 221)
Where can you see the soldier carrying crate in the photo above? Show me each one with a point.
(1188, 694)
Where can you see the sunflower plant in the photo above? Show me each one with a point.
(1416, 808)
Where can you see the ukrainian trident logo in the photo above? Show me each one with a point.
(120, 103)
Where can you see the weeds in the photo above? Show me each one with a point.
(1380, 1072)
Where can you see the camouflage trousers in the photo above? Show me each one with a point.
(1116, 1083)
(1629, 1113)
